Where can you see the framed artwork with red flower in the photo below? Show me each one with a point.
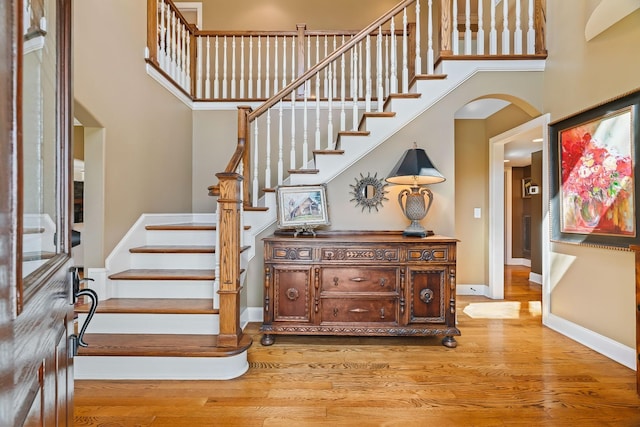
(593, 164)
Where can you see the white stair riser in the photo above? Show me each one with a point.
(152, 323)
(161, 289)
(179, 237)
(160, 368)
(172, 261)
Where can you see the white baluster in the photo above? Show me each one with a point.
(318, 96)
(330, 110)
(280, 144)
(216, 70)
(242, 58)
(187, 65)
(379, 87)
(259, 77)
(517, 35)
(266, 74)
(467, 28)
(199, 54)
(418, 60)
(292, 153)
(305, 130)
(354, 87)
(343, 89)
(335, 69)
(531, 32)
(183, 56)
(455, 35)
(317, 139)
(493, 33)
(207, 76)
(224, 68)
(232, 82)
(326, 70)
(480, 33)
(162, 56)
(293, 58)
(255, 162)
(367, 96)
(405, 52)
(393, 81)
(174, 46)
(267, 170)
(178, 60)
(360, 73)
(430, 59)
(250, 79)
(284, 62)
(506, 48)
(387, 79)
(275, 65)
(308, 82)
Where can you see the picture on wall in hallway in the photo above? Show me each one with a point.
(593, 161)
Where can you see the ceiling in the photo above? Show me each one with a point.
(517, 152)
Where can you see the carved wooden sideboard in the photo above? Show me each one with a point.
(360, 283)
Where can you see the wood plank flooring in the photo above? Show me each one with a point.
(507, 370)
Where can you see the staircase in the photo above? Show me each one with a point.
(159, 321)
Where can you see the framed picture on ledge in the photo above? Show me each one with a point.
(594, 167)
(302, 207)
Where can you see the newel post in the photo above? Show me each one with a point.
(445, 28)
(229, 228)
(152, 31)
(540, 26)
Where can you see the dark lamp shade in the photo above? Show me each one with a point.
(415, 168)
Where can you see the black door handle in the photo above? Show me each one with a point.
(77, 293)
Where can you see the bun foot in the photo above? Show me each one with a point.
(267, 339)
(449, 342)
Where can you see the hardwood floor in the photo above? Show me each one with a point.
(507, 370)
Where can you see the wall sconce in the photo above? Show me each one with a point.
(415, 169)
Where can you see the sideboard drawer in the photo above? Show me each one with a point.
(430, 253)
(358, 310)
(359, 279)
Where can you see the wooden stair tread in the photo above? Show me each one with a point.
(159, 345)
(173, 249)
(354, 133)
(183, 226)
(158, 274)
(153, 306)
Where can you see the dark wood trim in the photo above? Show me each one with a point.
(9, 124)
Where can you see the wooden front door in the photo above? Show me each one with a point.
(36, 298)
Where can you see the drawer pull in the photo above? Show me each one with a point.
(336, 281)
(383, 282)
(358, 310)
(426, 295)
(382, 313)
(358, 279)
(335, 312)
(292, 294)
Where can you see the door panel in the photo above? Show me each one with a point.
(36, 307)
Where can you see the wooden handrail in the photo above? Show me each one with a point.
(361, 35)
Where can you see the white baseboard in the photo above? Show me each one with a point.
(606, 346)
(472, 290)
(519, 261)
(535, 278)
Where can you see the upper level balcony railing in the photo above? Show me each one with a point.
(252, 65)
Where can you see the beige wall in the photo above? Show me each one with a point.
(147, 148)
(283, 15)
(591, 287)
